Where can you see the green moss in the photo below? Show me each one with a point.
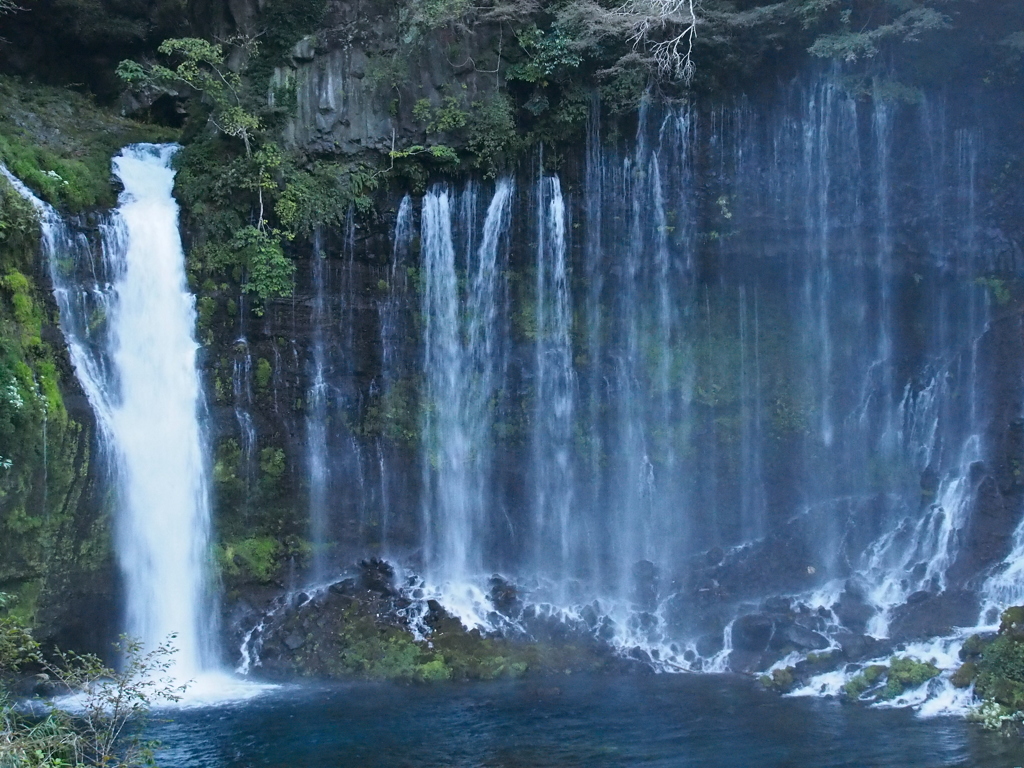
(263, 374)
(60, 144)
(904, 673)
(205, 309)
(999, 667)
(256, 557)
(272, 463)
(377, 652)
(394, 413)
(998, 289)
(1001, 671)
(780, 680)
(863, 681)
(973, 646)
(1011, 621)
(965, 675)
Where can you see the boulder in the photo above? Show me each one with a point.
(376, 575)
(852, 610)
(928, 614)
(752, 632)
(857, 647)
(800, 638)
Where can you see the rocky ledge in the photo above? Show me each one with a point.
(367, 626)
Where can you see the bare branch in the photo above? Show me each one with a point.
(666, 30)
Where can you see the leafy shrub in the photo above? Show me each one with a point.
(257, 557)
(112, 707)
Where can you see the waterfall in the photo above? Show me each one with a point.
(390, 351)
(555, 395)
(759, 350)
(747, 355)
(316, 423)
(241, 390)
(460, 354)
(138, 368)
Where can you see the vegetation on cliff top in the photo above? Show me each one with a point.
(59, 143)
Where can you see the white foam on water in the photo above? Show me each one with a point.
(827, 684)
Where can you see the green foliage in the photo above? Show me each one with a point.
(270, 271)
(61, 181)
(26, 314)
(263, 374)
(549, 55)
(780, 680)
(857, 41)
(212, 187)
(859, 684)
(19, 225)
(375, 652)
(272, 463)
(906, 672)
(492, 132)
(438, 13)
(998, 288)
(1001, 673)
(257, 557)
(321, 195)
(903, 673)
(394, 414)
(111, 711)
(17, 646)
(202, 66)
(623, 91)
(387, 71)
(449, 116)
(995, 717)
(60, 143)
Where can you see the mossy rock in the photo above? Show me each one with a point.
(906, 672)
(60, 143)
(360, 628)
(1011, 622)
(973, 647)
(780, 680)
(965, 675)
(1001, 671)
(868, 677)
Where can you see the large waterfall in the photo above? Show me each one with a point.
(129, 320)
(750, 354)
(750, 362)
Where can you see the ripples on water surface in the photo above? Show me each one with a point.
(669, 720)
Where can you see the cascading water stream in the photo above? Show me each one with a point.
(390, 339)
(745, 384)
(138, 368)
(316, 424)
(555, 391)
(460, 373)
(165, 522)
